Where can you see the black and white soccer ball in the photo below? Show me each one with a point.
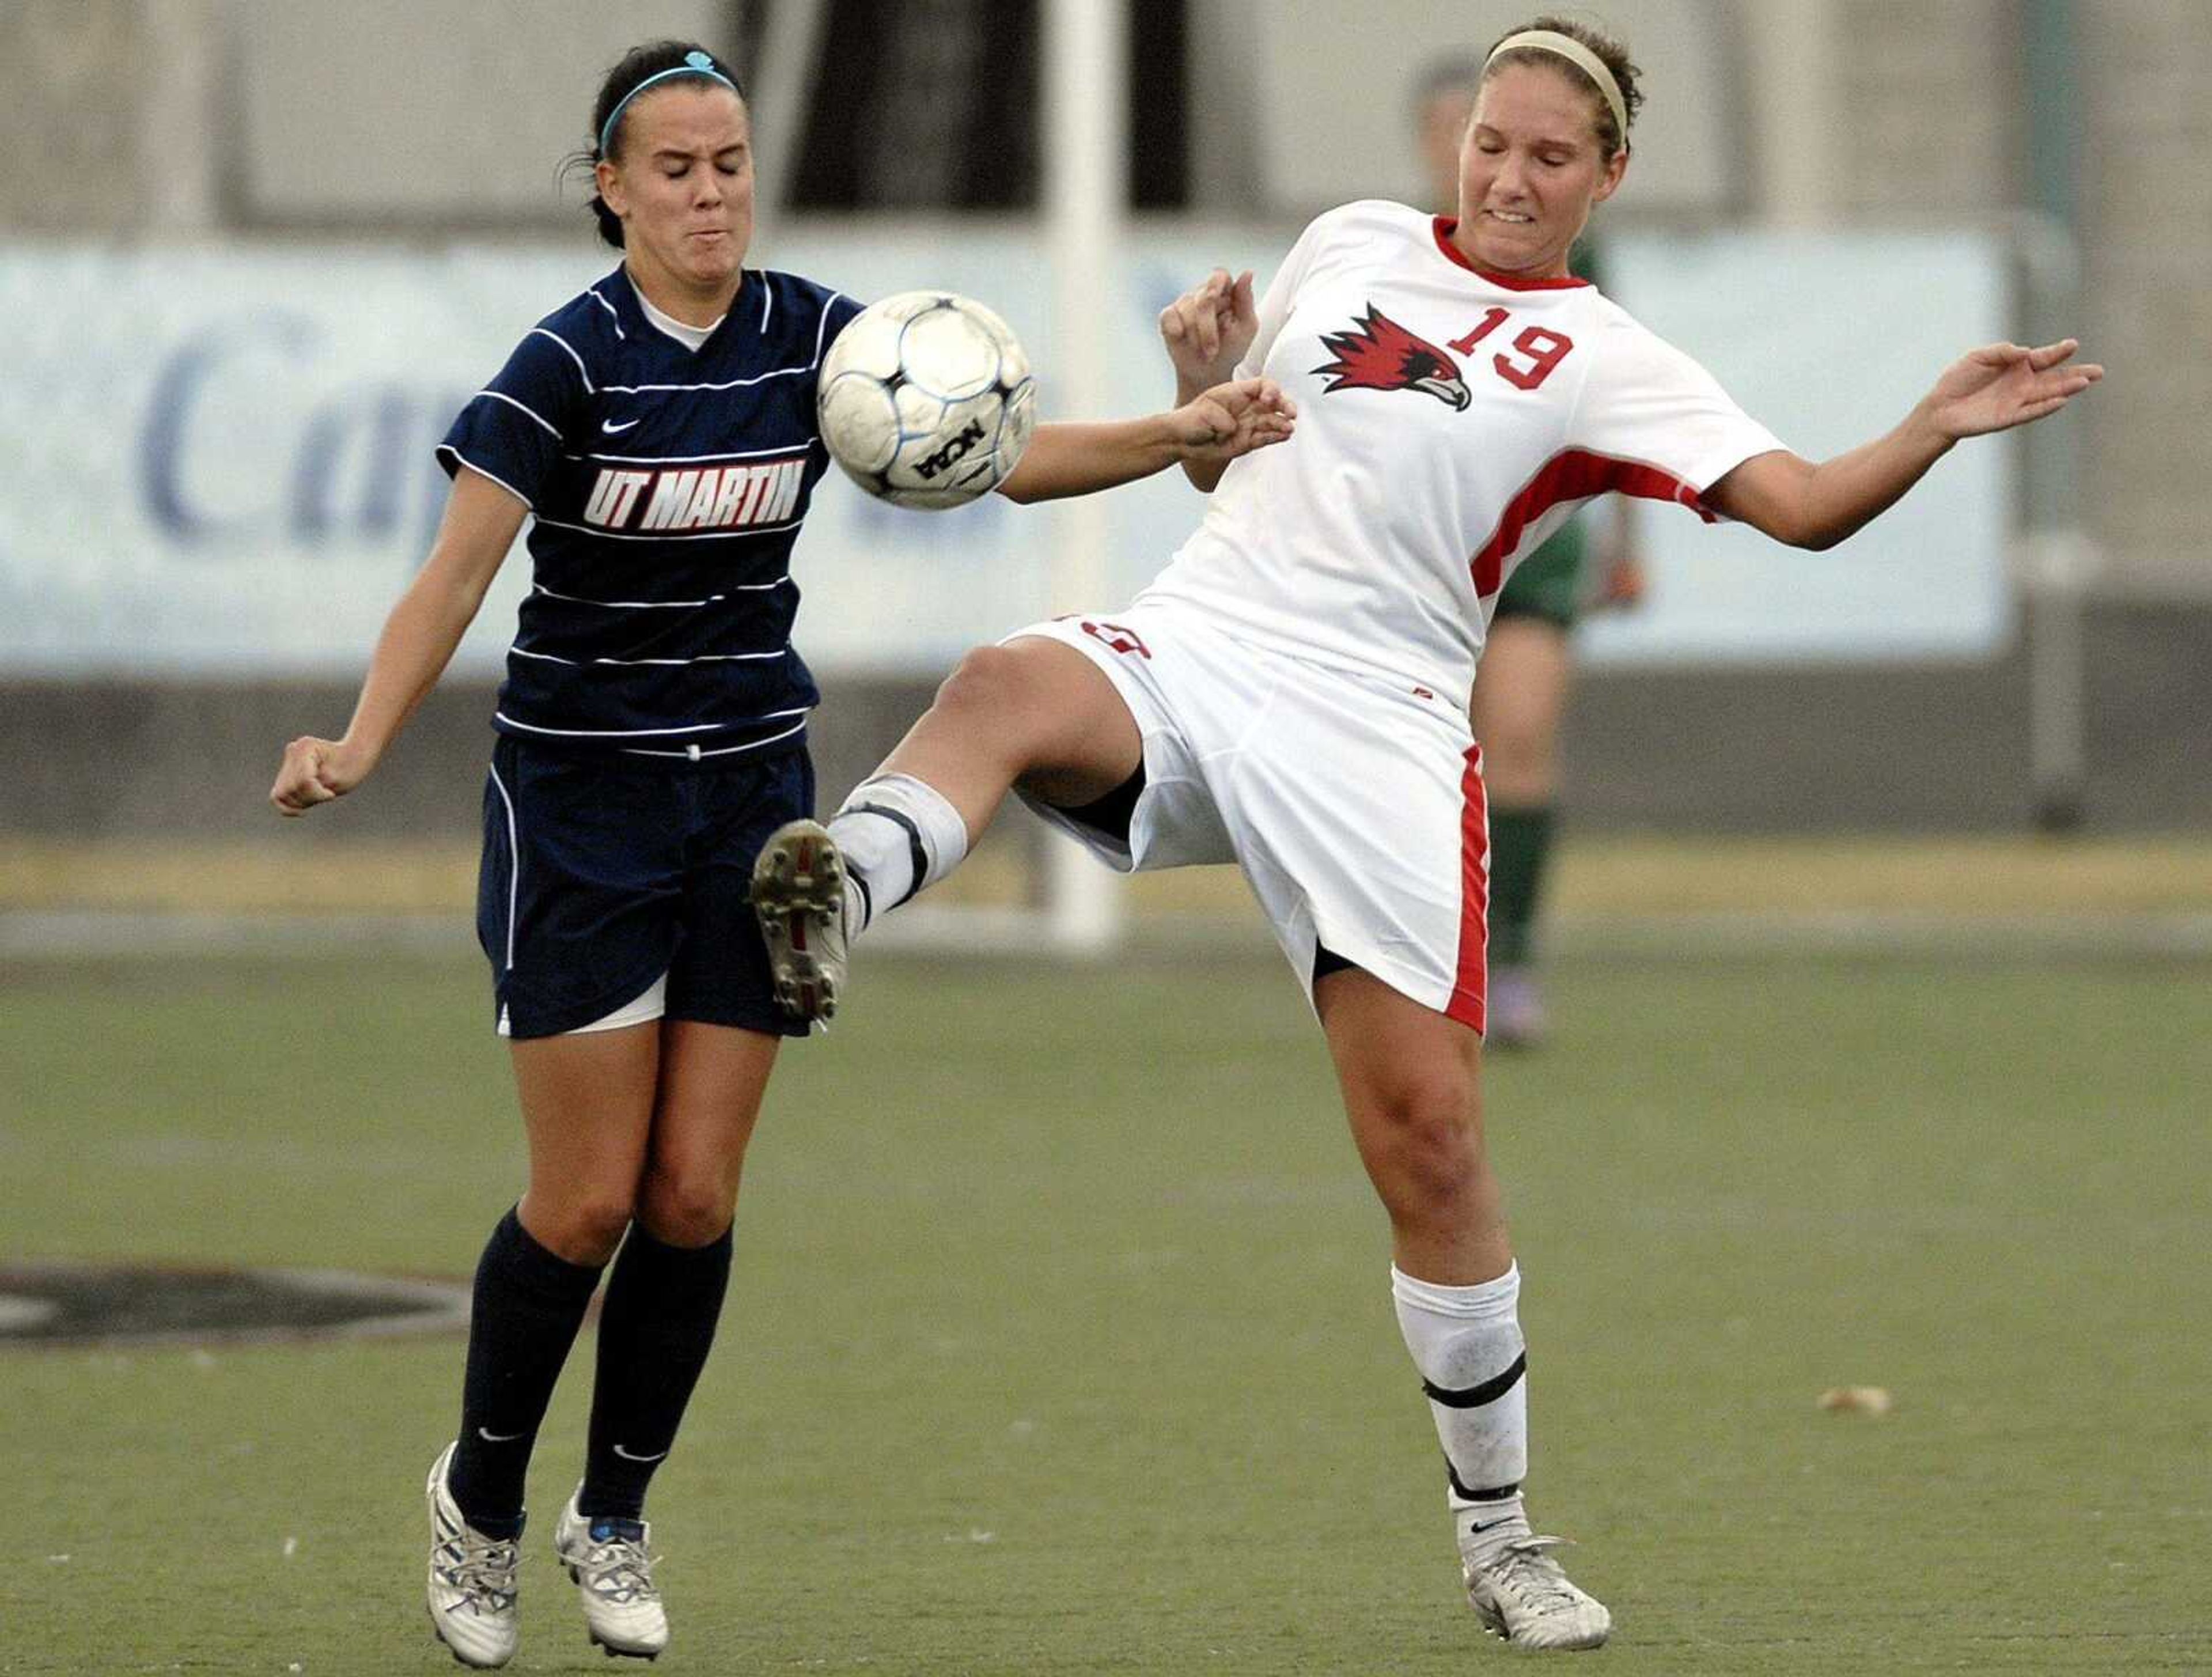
(926, 400)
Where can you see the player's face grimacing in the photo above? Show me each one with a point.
(682, 181)
(1529, 171)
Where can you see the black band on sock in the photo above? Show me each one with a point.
(920, 856)
(1496, 1493)
(1474, 1397)
(655, 1330)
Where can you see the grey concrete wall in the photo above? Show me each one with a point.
(1931, 98)
(73, 80)
(1900, 749)
(2147, 250)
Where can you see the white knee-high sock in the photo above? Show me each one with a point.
(1467, 1343)
(898, 834)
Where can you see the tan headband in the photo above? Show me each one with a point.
(1551, 40)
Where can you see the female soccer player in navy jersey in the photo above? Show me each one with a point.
(660, 430)
(1290, 693)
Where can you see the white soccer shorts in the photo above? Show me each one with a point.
(1353, 805)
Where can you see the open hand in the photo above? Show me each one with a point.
(1208, 329)
(2000, 386)
(1232, 420)
(313, 772)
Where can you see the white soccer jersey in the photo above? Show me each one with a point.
(1448, 420)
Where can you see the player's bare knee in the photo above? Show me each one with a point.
(585, 1230)
(985, 687)
(689, 1208)
(1429, 1163)
(997, 698)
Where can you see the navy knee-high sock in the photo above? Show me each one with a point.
(655, 1330)
(528, 1304)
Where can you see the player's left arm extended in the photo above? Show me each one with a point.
(1078, 456)
(1991, 389)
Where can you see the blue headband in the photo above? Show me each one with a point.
(694, 63)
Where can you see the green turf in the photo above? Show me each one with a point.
(1060, 1340)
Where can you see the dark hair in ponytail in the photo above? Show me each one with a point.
(635, 68)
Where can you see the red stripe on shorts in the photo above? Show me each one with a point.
(1467, 1003)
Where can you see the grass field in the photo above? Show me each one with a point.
(1060, 1339)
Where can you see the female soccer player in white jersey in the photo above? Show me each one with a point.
(660, 430)
(1291, 692)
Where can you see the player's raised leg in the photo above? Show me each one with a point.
(1031, 711)
(1410, 1078)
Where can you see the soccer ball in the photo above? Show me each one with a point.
(926, 400)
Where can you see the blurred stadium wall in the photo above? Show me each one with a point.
(2077, 127)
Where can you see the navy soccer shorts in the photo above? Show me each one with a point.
(600, 874)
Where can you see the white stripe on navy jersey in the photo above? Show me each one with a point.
(823, 324)
(672, 536)
(821, 329)
(684, 459)
(497, 397)
(581, 369)
(665, 605)
(698, 751)
(514, 862)
(480, 472)
(672, 663)
(607, 733)
(660, 733)
(593, 293)
(727, 383)
(721, 413)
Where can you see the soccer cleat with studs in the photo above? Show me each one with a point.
(1522, 1595)
(472, 1580)
(799, 892)
(608, 1562)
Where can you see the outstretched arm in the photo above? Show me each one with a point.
(1989, 389)
(1213, 427)
(419, 637)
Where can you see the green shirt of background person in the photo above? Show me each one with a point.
(1521, 682)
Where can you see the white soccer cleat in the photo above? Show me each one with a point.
(802, 893)
(472, 1580)
(613, 1574)
(1521, 1593)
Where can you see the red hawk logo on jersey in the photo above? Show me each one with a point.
(1379, 353)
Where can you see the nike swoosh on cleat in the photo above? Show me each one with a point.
(627, 1456)
(610, 427)
(491, 1437)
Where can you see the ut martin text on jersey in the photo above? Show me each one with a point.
(722, 497)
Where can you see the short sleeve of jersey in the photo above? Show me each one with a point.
(511, 429)
(1274, 306)
(1648, 403)
(840, 313)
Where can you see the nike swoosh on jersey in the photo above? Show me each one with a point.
(610, 427)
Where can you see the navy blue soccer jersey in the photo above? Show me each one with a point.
(666, 486)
